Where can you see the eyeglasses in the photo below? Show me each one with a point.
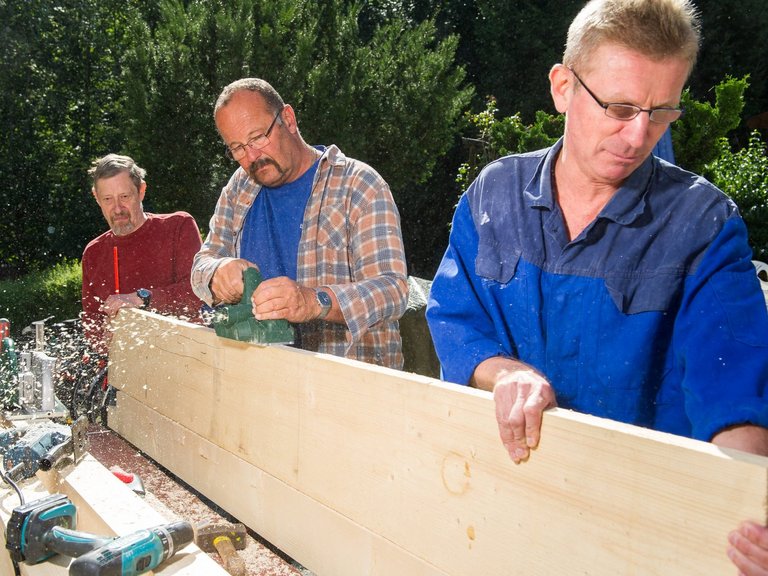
(255, 143)
(626, 112)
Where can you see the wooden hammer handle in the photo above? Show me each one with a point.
(233, 563)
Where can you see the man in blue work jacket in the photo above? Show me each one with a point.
(595, 276)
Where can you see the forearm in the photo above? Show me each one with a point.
(748, 438)
(220, 246)
(492, 370)
(378, 291)
(368, 302)
(218, 249)
(464, 330)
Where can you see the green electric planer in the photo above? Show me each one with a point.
(236, 321)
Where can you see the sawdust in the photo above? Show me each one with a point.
(174, 500)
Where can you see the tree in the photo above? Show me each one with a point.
(59, 70)
(395, 100)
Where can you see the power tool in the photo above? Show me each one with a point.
(41, 446)
(27, 378)
(135, 553)
(38, 530)
(236, 321)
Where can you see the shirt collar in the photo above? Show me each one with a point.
(624, 208)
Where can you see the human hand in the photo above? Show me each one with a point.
(521, 395)
(115, 302)
(282, 298)
(748, 549)
(227, 281)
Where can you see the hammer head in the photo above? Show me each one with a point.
(207, 532)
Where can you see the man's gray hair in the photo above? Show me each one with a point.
(657, 29)
(271, 97)
(112, 165)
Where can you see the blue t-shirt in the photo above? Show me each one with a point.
(273, 226)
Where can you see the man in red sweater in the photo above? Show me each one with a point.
(143, 261)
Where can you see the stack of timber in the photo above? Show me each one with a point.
(354, 469)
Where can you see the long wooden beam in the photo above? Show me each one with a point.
(354, 469)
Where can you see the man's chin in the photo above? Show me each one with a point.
(122, 229)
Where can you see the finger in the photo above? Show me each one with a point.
(749, 549)
(511, 421)
(534, 412)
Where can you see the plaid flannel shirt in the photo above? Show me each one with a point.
(350, 242)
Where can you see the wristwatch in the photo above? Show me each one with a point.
(146, 297)
(324, 299)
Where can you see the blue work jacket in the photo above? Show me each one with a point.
(652, 316)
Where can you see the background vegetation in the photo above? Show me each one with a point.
(423, 90)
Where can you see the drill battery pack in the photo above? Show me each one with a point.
(29, 523)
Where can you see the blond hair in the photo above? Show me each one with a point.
(657, 29)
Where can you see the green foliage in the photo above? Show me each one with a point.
(40, 294)
(386, 80)
(392, 97)
(514, 45)
(743, 175)
(509, 135)
(59, 72)
(697, 134)
(735, 40)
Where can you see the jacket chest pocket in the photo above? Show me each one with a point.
(495, 263)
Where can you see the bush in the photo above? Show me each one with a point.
(696, 136)
(743, 175)
(509, 135)
(54, 292)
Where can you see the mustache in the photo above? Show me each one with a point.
(260, 163)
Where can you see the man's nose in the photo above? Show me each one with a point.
(252, 154)
(636, 131)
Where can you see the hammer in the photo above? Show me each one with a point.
(226, 539)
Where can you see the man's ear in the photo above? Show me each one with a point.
(288, 116)
(142, 191)
(561, 86)
(95, 197)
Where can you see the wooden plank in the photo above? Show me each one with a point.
(419, 464)
(326, 542)
(105, 507)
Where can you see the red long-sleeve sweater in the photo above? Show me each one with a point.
(158, 256)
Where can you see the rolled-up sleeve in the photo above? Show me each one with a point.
(221, 244)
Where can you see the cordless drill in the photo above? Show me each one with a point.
(38, 530)
(134, 553)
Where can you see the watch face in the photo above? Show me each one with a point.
(145, 295)
(324, 298)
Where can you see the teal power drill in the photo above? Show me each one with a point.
(134, 553)
(236, 321)
(45, 527)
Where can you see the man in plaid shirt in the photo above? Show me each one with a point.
(322, 228)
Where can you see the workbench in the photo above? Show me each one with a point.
(107, 506)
